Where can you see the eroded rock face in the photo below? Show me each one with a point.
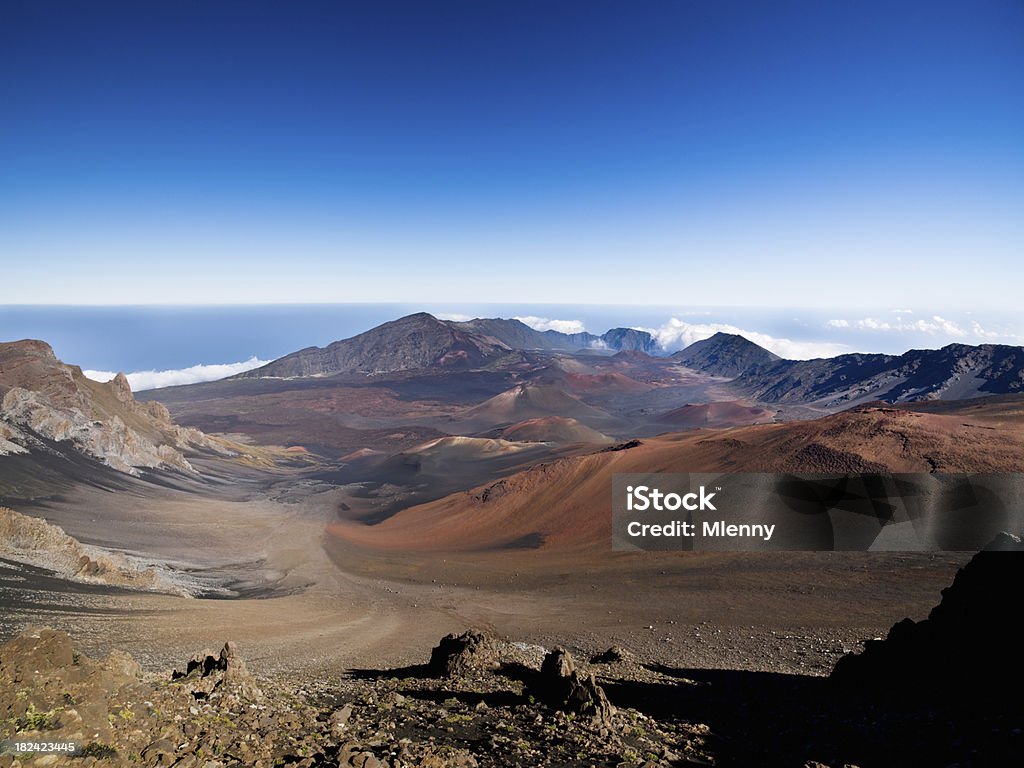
(111, 441)
(42, 396)
(458, 654)
(968, 640)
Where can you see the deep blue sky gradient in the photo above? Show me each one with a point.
(790, 153)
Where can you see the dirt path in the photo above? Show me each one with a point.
(318, 606)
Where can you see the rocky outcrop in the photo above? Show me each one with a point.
(968, 641)
(455, 655)
(50, 691)
(111, 441)
(562, 686)
(11, 440)
(209, 716)
(613, 655)
(207, 675)
(629, 340)
(44, 398)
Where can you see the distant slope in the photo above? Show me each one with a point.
(413, 342)
(518, 335)
(566, 503)
(603, 383)
(724, 354)
(46, 402)
(955, 372)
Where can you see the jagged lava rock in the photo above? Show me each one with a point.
(561, 686)
(458, 654)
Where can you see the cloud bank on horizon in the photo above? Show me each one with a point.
(934, 325)
(678, 334)
(143, 380)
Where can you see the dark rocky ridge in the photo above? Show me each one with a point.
(956, 371)
(215, 713)
(725, 354)
(422, 342)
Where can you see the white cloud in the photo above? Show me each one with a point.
(456, 317)
(936, 325)
(140, 380)
(677, 334)
(983, 333)
(903, 311)
(544, 324)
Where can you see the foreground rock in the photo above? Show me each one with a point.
(213, 716)
(214, 713)
(455, 655)
(207, 676)
(563, 687)
(969, 644)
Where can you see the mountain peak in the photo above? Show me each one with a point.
(29, 348)
(414, 342)
(725, 354)
(122, 389)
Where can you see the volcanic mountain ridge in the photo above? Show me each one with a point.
(44, 399)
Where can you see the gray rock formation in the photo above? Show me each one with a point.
(41, 397)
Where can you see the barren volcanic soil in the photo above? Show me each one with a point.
(303, 601)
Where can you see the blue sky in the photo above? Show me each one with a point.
(811, 154)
